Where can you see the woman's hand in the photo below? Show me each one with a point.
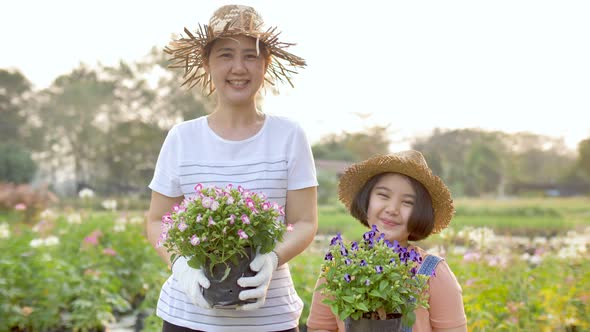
(191, 281)
(265, 265)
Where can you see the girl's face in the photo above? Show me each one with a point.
(236, 70)
(390, 206)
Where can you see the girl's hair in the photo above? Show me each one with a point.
(421, 221)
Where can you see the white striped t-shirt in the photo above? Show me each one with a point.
(276, 159)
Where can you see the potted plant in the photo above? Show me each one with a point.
(220, 230)
(373, 285)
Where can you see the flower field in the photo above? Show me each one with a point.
(85, 270)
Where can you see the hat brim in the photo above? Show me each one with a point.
(355, 177)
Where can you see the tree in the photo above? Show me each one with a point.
(128, 160)
(70, 114)
(354, 146)
(16, 164)
(584, 156)
(459, 157)
(13, 90)
(484, 170)
(538, 159)
(105, 125)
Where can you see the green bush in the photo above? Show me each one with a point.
(75, 276)
(16, 164)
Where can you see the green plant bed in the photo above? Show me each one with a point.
(305, 269)
(74, 276)
(516, 225)
(542, 217)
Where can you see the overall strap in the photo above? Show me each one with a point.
(427, 268)
(429, 264)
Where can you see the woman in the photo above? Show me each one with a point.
(399, 195)
(237, 144)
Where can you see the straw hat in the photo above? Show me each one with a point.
(230, 20)
(410, 163)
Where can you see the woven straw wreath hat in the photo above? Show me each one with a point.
(188, 52)
(410, 163)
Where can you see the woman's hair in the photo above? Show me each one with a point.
(421, 221)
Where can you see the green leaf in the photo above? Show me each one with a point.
(362, 306)
(375, 293)
(227, 270)
(348, 298)
(383, 285)
(195, 263)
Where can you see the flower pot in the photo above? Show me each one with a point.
(373, 325)
(225, 292)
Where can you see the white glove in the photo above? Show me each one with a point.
(191, 281)
(265, 265)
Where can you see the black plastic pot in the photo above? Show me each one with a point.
(373, 325)
(225, 292)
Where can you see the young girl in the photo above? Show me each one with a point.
(399, 194)
(236, 144)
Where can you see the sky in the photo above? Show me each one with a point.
(509, 65)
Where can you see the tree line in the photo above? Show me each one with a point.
(102, 126)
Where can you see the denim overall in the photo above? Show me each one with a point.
(427, 268)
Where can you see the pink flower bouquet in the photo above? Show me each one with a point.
(218, 225)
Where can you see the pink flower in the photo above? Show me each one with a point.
(92, 239)
(232, 219)
(265, 206)
(289, 227)
(242, 234)
(20, 207)
(245, 219)
(166, 227)
(167, 219)
(214, 206)
(178, 208)
(230, 200)
(241, 189)
(198, 187)
(109, 252)
(182, 226)
(206, 202)
(211, 222)
(250, 203)
(160, 242)
(199, 218)
(472, 257)
(195, 240)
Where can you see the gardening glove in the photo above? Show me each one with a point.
(265, 265)
(191, 281)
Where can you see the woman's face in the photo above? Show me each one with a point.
(390, 206)
(236, 70)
